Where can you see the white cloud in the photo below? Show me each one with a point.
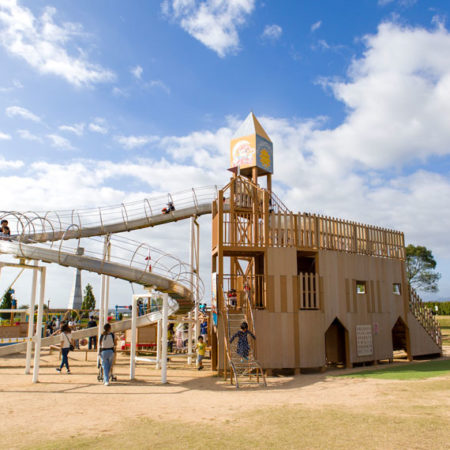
(98, 125)
(214, 23)
(27, 135)
(398, 98)
(42, 44)
(316, 25)
(158, 84)
(76, 128)
(4, 136)
(18, 111)
(137, 72)
(130, 142)
(16, 84)
(10, 164)
(60, 142)
(272, 32)
(403, 3)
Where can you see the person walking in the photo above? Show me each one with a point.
(107, 346)
(92, 339)
(66, 347)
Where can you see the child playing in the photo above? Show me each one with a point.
(201, 350)
(243, 347)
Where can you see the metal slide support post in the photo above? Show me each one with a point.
(158, 345)
(196, 264)
(107, 256)
(164, 338)
(31, 319)
(133, 338)
(194, 270)
(101, 314)
(38, 335)
(189, 360)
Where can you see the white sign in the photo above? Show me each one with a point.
(364, 342)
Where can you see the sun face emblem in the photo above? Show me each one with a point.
(264, 157)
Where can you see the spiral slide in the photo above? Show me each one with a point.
(36, 233)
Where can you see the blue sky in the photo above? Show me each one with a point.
(107, 101)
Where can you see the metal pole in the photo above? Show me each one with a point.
(37, 337)
(189, 360)
(31, 320)
(158, 345)
(101, 314)
(197, 284)
(107, 256)
(133, 338)
(164, 338)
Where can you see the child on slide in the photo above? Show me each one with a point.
(243, 348)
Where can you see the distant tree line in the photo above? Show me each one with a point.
(443, 308)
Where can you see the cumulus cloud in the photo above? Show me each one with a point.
(18, 111)
(272, 32)
(131, 142)
(316, 25)
(76, 128)
(4, 136)
(214, 23)
(60, 142)
(398, 98)
(98, 125)
(43, 44)
(28, 136)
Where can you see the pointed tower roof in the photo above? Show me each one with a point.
(251, 126)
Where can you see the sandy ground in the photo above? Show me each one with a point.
(76, 404)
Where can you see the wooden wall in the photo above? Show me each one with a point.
(290, 337)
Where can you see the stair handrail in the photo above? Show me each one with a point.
(425, 317)
(226, 331)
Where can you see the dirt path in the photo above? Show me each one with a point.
(77, 404)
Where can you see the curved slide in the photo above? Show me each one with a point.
(76, 224)
(182, 300)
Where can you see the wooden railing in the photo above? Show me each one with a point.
(308, 290)
(425, 317)
(245, 227)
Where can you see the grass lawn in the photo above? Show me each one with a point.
(444, 322)
(289, 427)
(407, 371)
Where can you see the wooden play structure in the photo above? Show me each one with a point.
(316, 291)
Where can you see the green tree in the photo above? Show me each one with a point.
(6, 303)
(89, 298)
(420, 269)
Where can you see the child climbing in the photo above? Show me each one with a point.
(201, 349)
(243, 348)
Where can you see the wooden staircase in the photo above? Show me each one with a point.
(242, 371)
(425, 317)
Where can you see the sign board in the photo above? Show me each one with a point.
(364, 341)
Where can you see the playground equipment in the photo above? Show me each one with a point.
(319, 290)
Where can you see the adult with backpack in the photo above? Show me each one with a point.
(107, 346)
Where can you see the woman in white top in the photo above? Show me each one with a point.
(66, 342)
(107, 344)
